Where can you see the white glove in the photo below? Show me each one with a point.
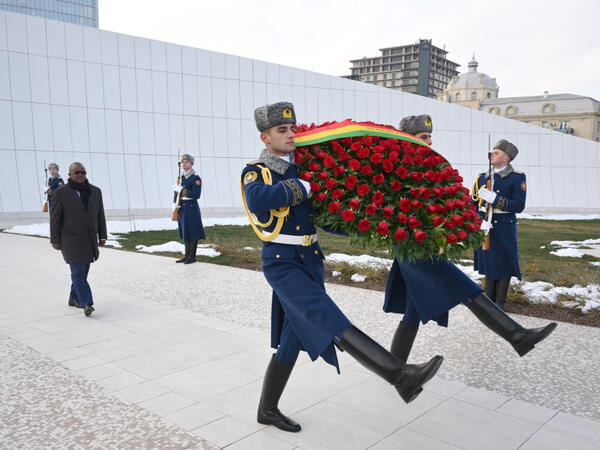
(44, 189)
(486, 226)
(488, 196)
(175, 206)
(306, 185)
(177, 187)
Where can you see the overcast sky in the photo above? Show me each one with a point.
(529, 46)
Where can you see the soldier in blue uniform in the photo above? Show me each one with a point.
(54, 182)
(189, 219)
(303, 316)
(509, 188)
(427, 289)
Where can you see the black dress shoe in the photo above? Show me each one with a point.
(75, 303)
(88, 310)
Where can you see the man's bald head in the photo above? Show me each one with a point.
(77, 172)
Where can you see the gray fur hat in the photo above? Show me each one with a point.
(190, 158)
(416, 124)
(268, 116)
(510, 149)
(51, 165)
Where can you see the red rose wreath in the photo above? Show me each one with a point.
(386, 188)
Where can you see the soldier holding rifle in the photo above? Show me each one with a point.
(52, 184)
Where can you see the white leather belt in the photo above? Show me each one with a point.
(499, 211)
(290, 239)
(186, 198)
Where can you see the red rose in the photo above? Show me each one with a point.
(401, 218)
(363, 153)
(418, 160)
(298, 157)
(401, 172)
(417, 176)
(462, 235)
(314, 166)
(413, 222)
(343, 156)
(363, 190)
(334, 207)
(378, 198)
(354, 164)
(396, 185)
(405, 205)
(366, 170)
(431, 209)
(323, 175)
(329, 161)
(407, 160)
(451, 238)
(387, 165)
(347, 215)
(420, 236)
(400, 235)
(437, 191)
(306, 176)
(336, 147)
(450, 224)
(388, 212)
(320, 196)
(321, 154)
(416, 204)
(471, 227)
(330, 184)
(376, 158)
(315, 187)
(393, 156)
(337, 193)
(367, 140)
(354, 203)
(457, 219)
(424, 192)
(378, 149)
(382, 228)
(414, 192)
(338, 170)
(450, 204)
(356, 146)
(460, 204)
(371, 209)
(378, 179)
(351, 182)
(364, 225)
(430, 175)
(437, 221)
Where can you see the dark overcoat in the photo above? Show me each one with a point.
(76, 228)
(189, 218)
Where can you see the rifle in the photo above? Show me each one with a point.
(45, 208)
(489, 210)
(177, 196)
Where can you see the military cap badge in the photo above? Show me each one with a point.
(250, 177)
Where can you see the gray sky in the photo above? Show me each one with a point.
(529, 45)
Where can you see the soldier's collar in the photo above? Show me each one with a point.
(52, 177)
(189, 174)
(274, 162)
(506, 171)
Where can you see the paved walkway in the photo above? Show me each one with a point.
(174, 358)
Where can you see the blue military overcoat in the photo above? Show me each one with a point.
(295, 272)
(53, 184)
(434, 286)
(502, 258)
(189, 218)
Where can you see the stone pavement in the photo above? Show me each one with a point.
(174, 356)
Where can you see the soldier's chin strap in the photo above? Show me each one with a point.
(280, 213)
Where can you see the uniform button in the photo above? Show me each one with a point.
(301, 256)
(297, 227)
(498, 191)
(276, 256)
(316, 252)
(495, 221)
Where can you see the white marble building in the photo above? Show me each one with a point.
(126, 106)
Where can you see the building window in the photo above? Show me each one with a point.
(511, 110)
(494, 110)
(548, 108)
(473, 95)
(564, 124)
(545, 124)
(488, 95)
(457, 96)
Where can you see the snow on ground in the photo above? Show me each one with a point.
(177, 247)
(576, 249)
(595, 263)
(335, 273)
(571, 252)
(588, 297)
(358, 278)
(369, 261)
(559, 216)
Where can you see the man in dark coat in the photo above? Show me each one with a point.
(77, 228)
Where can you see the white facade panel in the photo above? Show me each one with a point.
(110, 47)
(143, 85)
(97, 130)
(36, 35)
(126, 50)
(19, 76)
(94, 87)
(74, 41)
(142, 53)
(42, 126)
(38, 74)
(4, 76)
(128, 88)
(23, 125)
(92, 45)
(79, 128)
(16, 32)
(111, 86)
(61, 128)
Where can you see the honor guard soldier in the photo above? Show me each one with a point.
(189, 219)
(427, 289)
(303, 316)
(53, 183)
(509, 188)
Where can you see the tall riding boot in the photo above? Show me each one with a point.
(187, 253)
(403, 341)
(276, 377)
(408, 379)
(490, 289)
(502, 292)
(522, 339)
(192, 255)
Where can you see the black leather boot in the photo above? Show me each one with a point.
(490, 289)
(502, 292)
(403, 341)
(187, 252)
(192, 254)
(276, 377)
(522, 339)
(408, 379)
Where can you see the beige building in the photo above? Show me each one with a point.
(565, 113)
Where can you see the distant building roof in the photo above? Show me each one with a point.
(473, 78)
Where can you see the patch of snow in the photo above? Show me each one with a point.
(543, 246)
(113, 243)
(248, 248)
(572, 244)
(358, 278)
(178, 247)
(588, 297)
(372, 262)
(335, 273)
(559, 216)
(470, 272)
(570, 252)
(595, 263)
